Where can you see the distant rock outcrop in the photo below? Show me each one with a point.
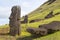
(36, 31)
(55, 25)
(26, 19)
(51, 1)
(49, 15)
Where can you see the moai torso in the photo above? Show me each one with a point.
(15, 20)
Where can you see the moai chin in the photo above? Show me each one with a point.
(14, 22)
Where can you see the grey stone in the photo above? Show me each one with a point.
(14, 22)
(49, 15)
(55, 25)
(45, 28)
(25, 19)
(37, 31)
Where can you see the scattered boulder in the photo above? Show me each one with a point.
(49, 15)
(14, 22)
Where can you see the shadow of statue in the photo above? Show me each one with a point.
(28, 37)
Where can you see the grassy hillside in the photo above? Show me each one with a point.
(43, 10)
(40, 13)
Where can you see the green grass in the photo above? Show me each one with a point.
(4, 26)
(54, 36)
(37, 14)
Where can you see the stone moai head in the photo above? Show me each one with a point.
(15, 8)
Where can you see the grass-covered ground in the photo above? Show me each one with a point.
(53, 36)
(37, 14)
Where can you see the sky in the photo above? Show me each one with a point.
(26, 7)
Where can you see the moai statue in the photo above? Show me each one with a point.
(14, 22)
(26, 19)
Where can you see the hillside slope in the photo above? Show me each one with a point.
(44, 9)
(40, 13)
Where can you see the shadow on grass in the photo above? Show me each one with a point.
(32, 37)
(28, 37)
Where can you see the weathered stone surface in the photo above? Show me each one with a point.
(49, 15)
(25, 19)
(14, 22)
(55, 25)
(45, 28)
(32, 21)
(37, 31)
(57, 13)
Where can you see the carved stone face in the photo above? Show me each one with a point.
(15, 9)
